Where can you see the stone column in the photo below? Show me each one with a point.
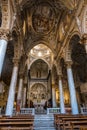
(59, 72)
(73, 99)
(24, 97)
(11, 95)
(19, 96)
(54, 96)
(3, 47)
(62, 107)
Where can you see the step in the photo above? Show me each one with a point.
(44, 128)
(44, 122)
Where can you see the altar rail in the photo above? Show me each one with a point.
(83, 110)
(25, 111)
(49, 110)
(57, 110)
(53, 110)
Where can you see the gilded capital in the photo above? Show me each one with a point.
(69, 64)
(4, 34)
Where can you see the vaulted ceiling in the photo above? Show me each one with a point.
(45, 21)
(70, 4)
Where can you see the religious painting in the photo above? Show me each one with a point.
(43, 18)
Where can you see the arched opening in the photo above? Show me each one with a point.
(79, 67)
(39, 74)
(39, 69)
(78, 56)
(38, 97)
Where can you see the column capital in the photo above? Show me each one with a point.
(15, 61)
(60, 76)
(84, 39)
(4, 34)
(69, 64)
(21, 75)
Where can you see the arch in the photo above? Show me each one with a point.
(75, 33)
(74, 38)
(39, 59)
(15, 32)
(73, 41)
(78, 56)
(40, 42)
(31, 85)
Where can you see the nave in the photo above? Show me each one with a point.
(43, 64)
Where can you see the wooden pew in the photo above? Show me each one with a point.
(78, 124)
(83, 127)
(60, 120)
(17, 125)
(16, 128)
(66, 121)
(17, 122)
